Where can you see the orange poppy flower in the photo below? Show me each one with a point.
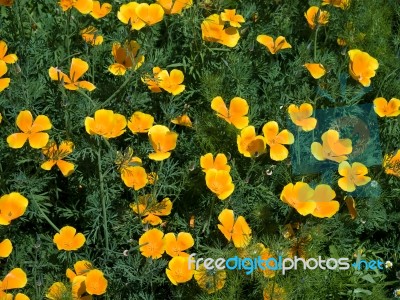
(106, 123)
(385, 109)
(249, 144)
(56, 155)
(220, 183)
(6, 2)
(353, 176)
(79, 288)
(126, 58)
(315, 17)
(207, 162)
(126, 159)
(67, 239)
(175, 246)
(90, 35)
(15, 279)
(4, 82)
(83, 6)
(326, 207)
(31, 130)
(210, 280)
(316, 70)
(127, 15)
(81, 267)
(332, 147)
(362, 66)
(178, 270)
(183, 120)
(134, 177)
(301, 116)
(163, 141)
(150, 14)
(152, 244)
(9, 58)
(171, 82)
(153, 81)
(229, 15)
(56, 291)
(100, 10)
(140, 122)
(78, 68)
(238, 231)
(149, 208)
(174, 6)
(299, 196)
(12, 206)
(275, 140)
(212, 30)
(95, 282)
(391, 163)
(5, 248)
(236, 115)
(273, 46)
(343, 4)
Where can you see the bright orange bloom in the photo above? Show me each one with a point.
(106, 123)
(299, 196)
(152, 244)
(140, 122)
(249, 144)
(126, 58)
(100, 11)
(316, 70)
(81, 267)
(127, 14)
(31, 130)
(134, 177)
(67, 239)
(149, 208)
(229, 15)
(153, 82)
(332, 147)
(326, 207)
(343, 4)
(15, 279)
(83, 6)
(301, 116)
(391, 163)
(56, 291)
(79, 288)
(353, 176)
(212, 30)
(207, 162)
(236, 115)
(95, 282)
(163, 141)
(183, 120)
(276, 140)
(90, 35)
(126, 159)
(385, 109)
(220, 183)
(140, 15)
(362, 66)
(178, 270)
(174, 6)
(78, 68)
(315, 17)
(12, 206)
(56, 156)
(171, 82)
(6, 2)
(238, 231)
(273, 46)
(5, 248)
(9, 58)
(4, 82)
(175, 246)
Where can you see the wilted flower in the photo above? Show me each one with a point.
(151, 209)
(126, 57)
(273, 46)
(56, 155)
(182, 120)
(67, 239)
(90, 35)
(362, 66)
(391, 163)
(6, 2)
(238, 231)
(315, 16)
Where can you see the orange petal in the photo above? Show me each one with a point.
(326, 209)
(66, 168)
(316, 70)
(95, 282)
(5, 248)
(41, 123)
(83, 6)
(24, 120)
(278, 152)
(15, 279)
(38, 140)
(78, 68)
(17, 140)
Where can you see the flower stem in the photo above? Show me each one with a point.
(43, 214)
(106, 102)
(207, 224)
(315, 44)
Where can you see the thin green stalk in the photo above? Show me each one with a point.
(44, 216)
(87, 97)
(67, 40)
(207, 224)
(156, 180)
(106, 102)
(315, 44)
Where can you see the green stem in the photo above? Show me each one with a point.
(106, 102)
(207, 225)
(67, 40)
(156, 180)
(43, 214)
(87, 97)
(315, 44)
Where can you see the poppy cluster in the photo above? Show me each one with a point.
(139, 15)
(95, 9)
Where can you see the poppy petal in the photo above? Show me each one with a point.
(15, 279)
(17, 140)
(78, 68)
(66, 168)
(41, 123)
(38, 140)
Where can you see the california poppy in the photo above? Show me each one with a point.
(238, 231)
(127, 15)
(343, 4)
(316, 70)
(56, 291)
(354, 175)
(178, 270)
(174, 6)
(212, 30)
(275, 140)
(78, 68)
(176, 245)
(56, 155)
(83, 6)
(391, 164)
(140, 122)
(5, 248)
(4, 82)
(385, 109)
(249, 144)
(236, 115)
(15, 279)
(67, 239)
(323, 196)
(100, 10)
(220, 183)
(210, 280)
(105, 123)
(153, 81)
(163, 141)
(12, 206)
(126, 57)
(7, 58)
(301, 116)
(315, 16)
(332, 147)
(151, 209)
(152, 244)
(229, 15)
(273, 46)
(127, 159)
(79, 288)
(134, 177)
(150, 14)
(182, 120)
(362, 66)
(90, 35)
(207, 162)
(300, 197)
(171, 82)
(95, 282)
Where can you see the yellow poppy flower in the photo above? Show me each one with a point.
(7, 58)
(229, 15)
(273, 46)
(106, 123)
(90, 36)
(301, 116)
(5, 248)
(153, 81)
(391, 164)
(212, 30)
(152, 243)
(171, 82)
(238, 231)
(79, 288)
(385, 109)
(151, 209)
(174, 6)
(353, 176)
(125, 57)
(299, 196)
(134, 177)
(6, 2)
(210, 280)
(127, 15)
(343, 4)
(81, 267)
(67, 239)
(332, 147)
(12, 206)
(83, 6)
(249, 144)
(236, 115)
(275, 140)
(95, 282)
(325, 207)
(56, 291)
(183, 120)
(315, 17)
(15, 279)
(362, 66)
(56, 155)
(163, 141)
(178, 270)
(176, 245)
(78, 68)
(150, 14)
(100, 10)
(316, 70)
(207, 162)
(4, 82)
(140, 122)
(220, 183)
